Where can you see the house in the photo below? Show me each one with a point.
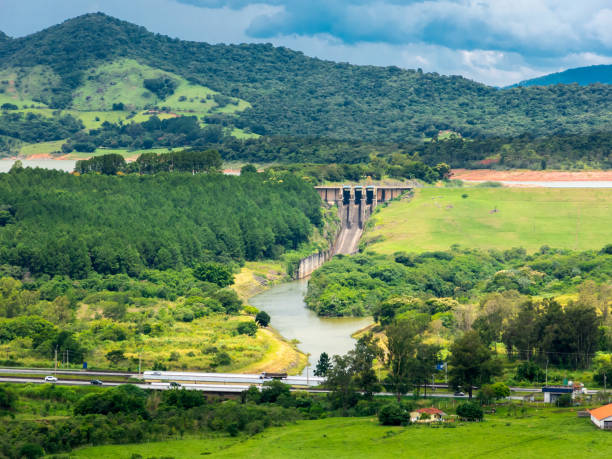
(602, 416)
(427, 415)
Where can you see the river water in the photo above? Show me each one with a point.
(66, 165)
(285, 304)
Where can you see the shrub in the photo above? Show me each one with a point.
(564, 401)
(262, 318)
(247, 328)
(221, 359)
(470, 411)
(393, 414)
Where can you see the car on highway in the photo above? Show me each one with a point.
(50, 378)
(95, 382)
(459, 394)
(174, 385)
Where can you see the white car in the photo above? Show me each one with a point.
(50, 379)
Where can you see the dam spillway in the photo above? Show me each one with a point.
(355, 205)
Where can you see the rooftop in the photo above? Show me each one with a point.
(602, 412)
(431, 410)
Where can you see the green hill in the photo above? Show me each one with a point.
(581, 75)
(292, 94)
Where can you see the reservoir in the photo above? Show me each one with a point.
(293, 320)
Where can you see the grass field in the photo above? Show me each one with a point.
(499, 218)
(539, 433)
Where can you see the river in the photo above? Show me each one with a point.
(285, 304)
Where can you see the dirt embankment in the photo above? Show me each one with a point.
(482, 175)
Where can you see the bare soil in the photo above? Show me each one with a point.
(478, 175)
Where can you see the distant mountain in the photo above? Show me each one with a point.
(285, 92)
(581, 75)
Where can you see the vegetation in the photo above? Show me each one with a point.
(504, 435)
(493, 218)
(110, 225)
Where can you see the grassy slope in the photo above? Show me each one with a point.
(119, 81)
(545, 433)
(498, 218)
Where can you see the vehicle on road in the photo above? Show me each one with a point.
(459, 394)
(50, 378)
(96, 382)
(174, 385)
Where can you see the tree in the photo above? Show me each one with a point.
(425, 364)
(469, 411)
(215, 273)
(362, 364)
(248, 169)
(471, 362)
(402, 339)
(323, 365)
(262, 318)
(341, 382)
(116, 356)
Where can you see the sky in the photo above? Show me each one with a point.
(498, 42)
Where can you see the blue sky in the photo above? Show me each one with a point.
(494, 41)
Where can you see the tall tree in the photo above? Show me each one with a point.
(471, 362)
(402, 339)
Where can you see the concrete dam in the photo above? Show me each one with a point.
(355, 205)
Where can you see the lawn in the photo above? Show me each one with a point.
(540, 433)
(494, 218)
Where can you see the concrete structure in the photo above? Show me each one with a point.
(355, 205)
(552, 393)
(431, 415)
(602, 416)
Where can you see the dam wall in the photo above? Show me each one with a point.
(355, 205)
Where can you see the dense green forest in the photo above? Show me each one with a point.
(57, 223)
(292, 94)
(497, 293)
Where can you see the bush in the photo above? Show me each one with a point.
(31, 451)
(393, 414)
(564, 401)
(262, 318)
(247, 328)
(470, 412)
(8, 399)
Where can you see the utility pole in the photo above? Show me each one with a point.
(546, 372)
(139, 363)
(55, 370)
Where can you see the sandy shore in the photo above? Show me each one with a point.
(481, 175)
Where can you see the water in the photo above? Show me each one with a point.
(66, 165)
(285, 304)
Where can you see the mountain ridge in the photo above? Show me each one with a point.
(582, 76)
(292, 94)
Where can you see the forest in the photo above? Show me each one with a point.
(507, 297)
(295, 95)
(56, 223)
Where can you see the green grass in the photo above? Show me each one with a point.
(494, 218)
(123, 81)
(543, 433)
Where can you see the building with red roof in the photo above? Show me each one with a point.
(431, 414)
(602, 416)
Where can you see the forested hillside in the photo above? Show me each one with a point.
(59, 224)
(581, 75)
(292, 94)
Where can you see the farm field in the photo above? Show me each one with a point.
(494, 218)
(540, 433)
